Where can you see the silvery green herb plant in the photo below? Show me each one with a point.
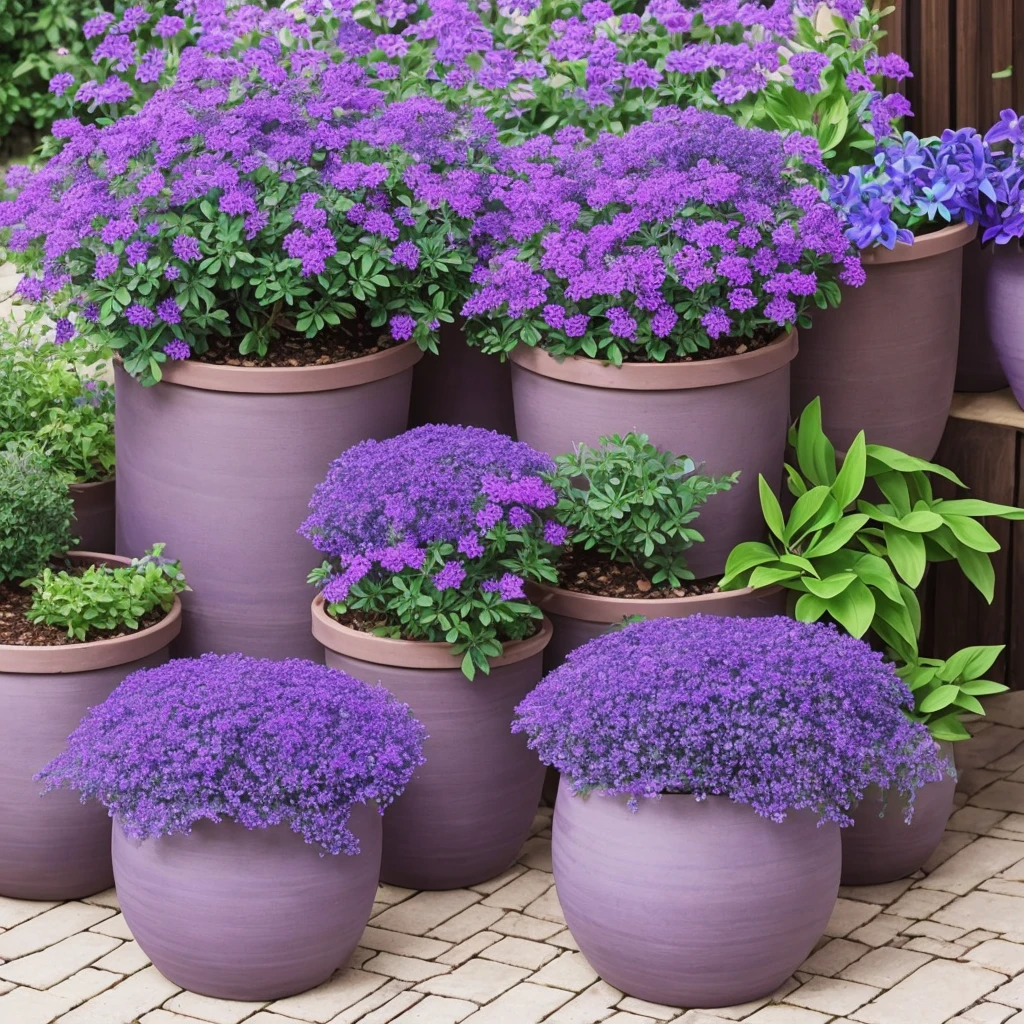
(634, 503)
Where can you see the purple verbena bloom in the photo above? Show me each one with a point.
(177, 349)
(186, 248)
(139, 316)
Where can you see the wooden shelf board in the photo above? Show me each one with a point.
(997, 407)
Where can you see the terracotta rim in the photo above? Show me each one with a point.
(609, 610)
(934, 244)
(290, 380)
(379, 650)
(95, 654)
(706, 373)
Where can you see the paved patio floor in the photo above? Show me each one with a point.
(945, 946)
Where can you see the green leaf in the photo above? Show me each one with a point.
(939, 698)
(975, 507)
(921, 522)
(765, 577)
(970, 662)
(853, 609)
(977, 567)
(906, 552)
(838, 537)
(830, 586)
(850, 480)
(805, 508)
(949, 729)
(876, 572)
(809, 608)
(771, 509)
(982, 687)
(746, 556)
(971, 533)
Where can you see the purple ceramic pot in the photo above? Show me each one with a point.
(692, 904)
(880, 846)
(93, 524)
(461, 385)
(977, 365)
(54, 847)
(247, 914)
(729, 414)
(884, 361)
(219, 462)
(467, 812)
(1004, 295)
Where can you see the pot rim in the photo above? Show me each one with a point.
(94, 484)
(705, 373)
(609, 610)
(94, 654)
(289, 380)
(936, 243)
(423, 654)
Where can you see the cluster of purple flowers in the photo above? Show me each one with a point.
(774, 713)
(255, 741)
(1002, 201)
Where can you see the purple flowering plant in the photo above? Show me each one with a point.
(264, 187)
(773, 713)
(1002, 204)
(432, 535)
(653, 244)
(246, 739)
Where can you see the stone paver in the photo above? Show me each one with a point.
(943, 947)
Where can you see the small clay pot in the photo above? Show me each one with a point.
(54, 847)
(219, 463)
(726, 414)
(467, 811)
(93, 524)
(884, 361)
(692, 904)
(244, 914)
(977, 365)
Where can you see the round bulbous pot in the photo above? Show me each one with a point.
(977, 366)
(881, 847)
(694, 904)
(467, 811)
(884, 361)
(1003, 296)
(462, 386)
(54, 847)
(727, 414)
(93, 524)
(244, 914)
(219, 462)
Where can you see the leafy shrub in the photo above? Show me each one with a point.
(106, 597)
(634, 503)
(35, 514)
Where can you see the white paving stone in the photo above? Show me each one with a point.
(55, 963)
(832, 995)
(885, 967)
(404, 968)
(520, 953)
(524, 1004)
(425, 911)
(216, 1011)
(126, 959)
(974, 864)
(326, 1001)
(49, 928)
(437, 1010)
(124, 1002)
(477, 980)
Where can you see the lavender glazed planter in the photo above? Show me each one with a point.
(93, 524)
(249, 915)
(729, 414)
(692, 904)
(54, 847)
(884, 361)
(1003, 297)
(467, 812)
(881, 847)
(219, 462)
(462, 386)
(977, 365)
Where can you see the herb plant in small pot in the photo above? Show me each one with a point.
(631, 512)
(654, 281)
(246, 796)
(430, 538)
(72, 626)
(707, 766)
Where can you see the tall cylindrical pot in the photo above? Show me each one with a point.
(461, 385)
(247, 914)
(881, 847)
(884, 360)
(54, 847)
(977, 365)
(1004, 295)
(692, 904)
(219, 462)
(93, 524)
(728, 414)
(467, 811)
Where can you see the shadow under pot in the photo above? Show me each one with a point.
(467, 811)
(730, 413)
(219, 463)
(244, 914)
(881, 847)
(884, 361)
(93, 524)
(693, 904)
(54, 847)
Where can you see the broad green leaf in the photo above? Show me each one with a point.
(853, 609)
(765, 577)
(906, 552)
(746, 556)
(977, 567)
(982, 687)
(771, 509)
(831, 586)
(969, 703)
(850, 480)
(838, 537)
(805, 508)
(893, 486)
(948, 728)
(876, 572)
(894, 459)
(970, 533)
(809, 608)
(921, 522)
(970, 663)
(941, 697)
(976, 507)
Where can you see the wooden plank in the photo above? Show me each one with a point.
(932, 61)
(966, 72)
(998, 26)
(998, 407)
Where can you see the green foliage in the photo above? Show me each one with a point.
(860, 562)
(35, 514)
(46, 403)
(106, 597)
(634, 503)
